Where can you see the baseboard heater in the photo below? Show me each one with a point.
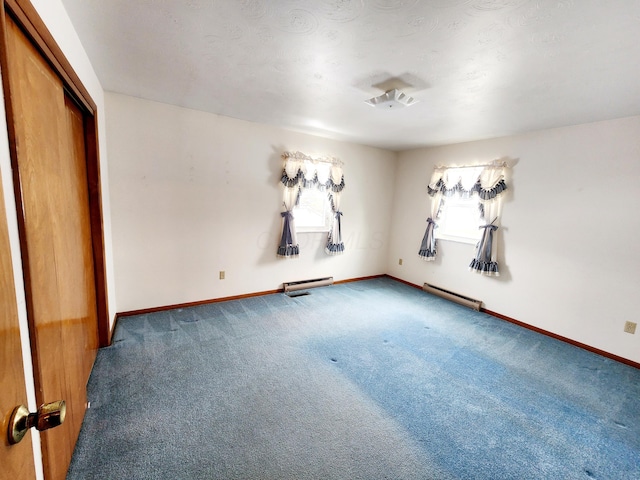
(454, 297)
(304, 284)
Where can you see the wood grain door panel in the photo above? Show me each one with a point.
(57, 248)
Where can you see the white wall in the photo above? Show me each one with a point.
(569, 258)
(195, 193)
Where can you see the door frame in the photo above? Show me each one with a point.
(28, 19)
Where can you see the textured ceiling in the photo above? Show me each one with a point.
(479, 68)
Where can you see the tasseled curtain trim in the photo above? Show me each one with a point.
(334, 248)
(484, 194)
(288, 251)
(300, 180)
(484, 268)
(427, 255)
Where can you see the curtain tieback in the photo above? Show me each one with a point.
(430, 220)
(338, 214)
(287, 214)
(492, 227)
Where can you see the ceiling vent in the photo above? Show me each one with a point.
(391, 99)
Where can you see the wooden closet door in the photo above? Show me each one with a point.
(56, 237)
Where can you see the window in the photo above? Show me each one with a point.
(465, 207)
(311, 201)
(313, 212)
(459, 220)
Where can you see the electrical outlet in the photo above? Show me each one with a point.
(630, 327)
(400, 262)
(221, 274)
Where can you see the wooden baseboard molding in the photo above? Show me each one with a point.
(404, 281)
(541, 331)
(144, 311)
(112, 329)
(584, 346)
(349, 280)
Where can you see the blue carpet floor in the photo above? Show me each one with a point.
(366, 380)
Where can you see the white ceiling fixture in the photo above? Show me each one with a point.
(391, 99)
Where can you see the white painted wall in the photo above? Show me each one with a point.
(570, 227)
(195, 193)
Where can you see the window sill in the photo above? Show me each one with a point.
(312, 230)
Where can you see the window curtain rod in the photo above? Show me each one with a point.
(496, 164)
(302, 156)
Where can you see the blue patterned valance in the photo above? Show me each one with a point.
(458, 189)
(304, 171)
(487, 181)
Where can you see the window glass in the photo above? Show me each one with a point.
(313, 214)
(459, 220)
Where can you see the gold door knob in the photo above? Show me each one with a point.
(48, 416)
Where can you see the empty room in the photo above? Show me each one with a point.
(298, 239)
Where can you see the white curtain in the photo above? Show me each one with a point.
(491, 184)
(428, 247)
(288, 246)
(302, 171)
(335, 245)
(488, 183)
